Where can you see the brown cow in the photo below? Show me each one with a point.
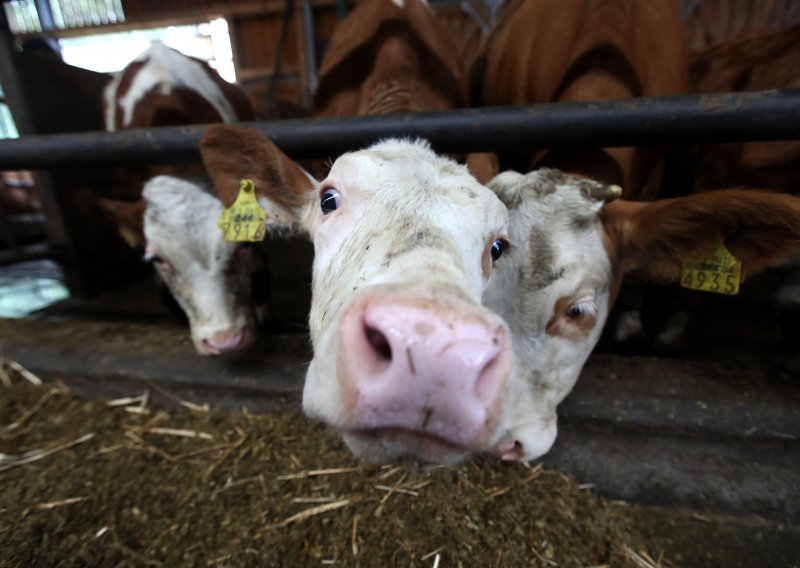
(545, 51)
(390, 56)
(768, 60)
(712, 22)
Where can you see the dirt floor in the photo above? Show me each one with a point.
(126, 483)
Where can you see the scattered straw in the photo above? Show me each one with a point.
(24, 373)
(141, 444)
(125, 401)
(238, 483)
(392, 491)
(542, 558)
(313, 512)
(397, 490)
(494, 492)
(181, 433)
(320, 472)
(231, 448)
(391, 472)
(61, 503)
(7, 462)
(33, 410)
(432, 553)
(354, 536)
(642, 560)
(314, 499)
(173, 397)
(4, 378)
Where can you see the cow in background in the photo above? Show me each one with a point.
(713, 22)
(173, 208)
(390, 57)
(545, 51)
(754, 62)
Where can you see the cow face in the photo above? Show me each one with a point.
(554, 292)
(572, 247)
(407, 362)
(208, 277)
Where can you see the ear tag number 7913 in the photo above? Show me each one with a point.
(245, 220)
(717, 271)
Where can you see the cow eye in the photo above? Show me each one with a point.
(580, 310)
(330, 201)
(152, 258)
(497, 249)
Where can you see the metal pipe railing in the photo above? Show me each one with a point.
(711, 118)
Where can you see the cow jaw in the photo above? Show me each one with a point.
(554, 295)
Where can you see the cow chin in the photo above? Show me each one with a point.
(528, 440)
(397, 445)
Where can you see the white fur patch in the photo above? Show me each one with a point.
(210, 284)
(165, 70)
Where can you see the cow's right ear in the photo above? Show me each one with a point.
(232, 153)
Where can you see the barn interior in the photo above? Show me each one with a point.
(703, 427)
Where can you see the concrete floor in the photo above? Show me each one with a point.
(712, 436)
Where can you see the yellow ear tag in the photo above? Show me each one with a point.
(245, 220)
(717, 271)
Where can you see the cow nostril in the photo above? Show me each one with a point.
(379, 343)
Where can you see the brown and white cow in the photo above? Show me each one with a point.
(174, 208)
(571, 245)
(546, 51)
(407, 362)
(404, 242)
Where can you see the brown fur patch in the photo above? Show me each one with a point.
(760, 228)
(231, 153)
(125, 82)
(582, 50)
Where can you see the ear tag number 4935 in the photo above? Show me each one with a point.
(245, 220)
(717, 271)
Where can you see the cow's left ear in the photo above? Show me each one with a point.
(232, 153)
(759, 228)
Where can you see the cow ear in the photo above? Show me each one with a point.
(232, 153)
(759, 228)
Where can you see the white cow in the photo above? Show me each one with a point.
(407, 362)
(209, 278)
(572, 247)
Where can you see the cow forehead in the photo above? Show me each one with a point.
(409, 172)
(556, 231)
(550, 193)
(181, 218)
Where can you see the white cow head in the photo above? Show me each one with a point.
(570, 251)
(209, 277)
(407, 362)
